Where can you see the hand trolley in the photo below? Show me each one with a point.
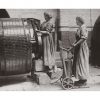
(66, 57)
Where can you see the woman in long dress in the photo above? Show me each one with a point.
(48, 43)
(81, 53)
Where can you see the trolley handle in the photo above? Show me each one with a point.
(69, 49)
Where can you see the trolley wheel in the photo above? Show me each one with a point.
(67, 83)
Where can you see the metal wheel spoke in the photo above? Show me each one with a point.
(65, 86)
(67, 83)
(71, 85)
(68, 86)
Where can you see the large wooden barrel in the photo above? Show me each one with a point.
(15, 46)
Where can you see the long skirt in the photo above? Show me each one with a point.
(48, 51)
(81, 61)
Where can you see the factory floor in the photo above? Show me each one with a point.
(22, 83)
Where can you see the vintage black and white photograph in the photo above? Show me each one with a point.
(49, 49)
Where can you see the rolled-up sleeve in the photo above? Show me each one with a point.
(84, 32)
(49, 27)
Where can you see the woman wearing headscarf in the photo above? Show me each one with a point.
(48, 43)
(81, 54)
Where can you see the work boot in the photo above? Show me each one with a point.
(80, 83)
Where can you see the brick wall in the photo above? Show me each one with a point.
(66, 17)
(68, 37)
(68, 23)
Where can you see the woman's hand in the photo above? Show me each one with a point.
(37, 30)
(73, 45)
(78, 42)
(70, 48)
(44, 32)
